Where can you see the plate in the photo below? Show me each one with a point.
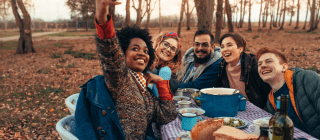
(240, 127)
(197, 111)
(181, 98)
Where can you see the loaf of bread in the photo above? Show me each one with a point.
(203, 130)
(230, 133)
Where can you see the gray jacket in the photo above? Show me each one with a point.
(306, 85)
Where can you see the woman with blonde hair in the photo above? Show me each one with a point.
(167, 58)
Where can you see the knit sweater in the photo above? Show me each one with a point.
(234, 79)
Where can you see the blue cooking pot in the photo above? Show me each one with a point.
(220, 102)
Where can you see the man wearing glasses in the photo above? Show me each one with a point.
(200, 62)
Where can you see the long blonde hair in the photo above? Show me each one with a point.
(173, 64)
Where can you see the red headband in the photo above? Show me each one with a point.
(173, 34)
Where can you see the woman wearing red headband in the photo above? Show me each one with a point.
(167, 50)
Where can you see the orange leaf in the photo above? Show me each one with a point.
(29, 93)
(66, 110)
(17, 135)
(51, 110)
(50, 124)
(17, 109)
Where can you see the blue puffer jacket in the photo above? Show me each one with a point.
(94, 100)
(306, 85)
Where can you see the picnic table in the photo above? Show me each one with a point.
(171, 130)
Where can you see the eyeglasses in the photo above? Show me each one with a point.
(167, 45)
(204, 44)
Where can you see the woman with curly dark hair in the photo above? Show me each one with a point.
(118, 105)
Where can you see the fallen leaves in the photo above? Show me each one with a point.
(51, 110)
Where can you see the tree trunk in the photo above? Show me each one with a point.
(187, 15)
(148, 20)
(160, 18)
(240, 26)
(313, 10)
(87, 27)
(205, 13)
(275, 24)
(284, 14)
(219, 18)
(298, 9)
(266, 17)
(229, 15)
(264, 14)
(236, 14)
(243, 13)
(271, 22)
(291, 13)
(317, 18)
(249, 19)
(139, 11)
(305, 22)
(128, 13)
(181, 16)
(281, 10)
(25, 44)
(259, 29)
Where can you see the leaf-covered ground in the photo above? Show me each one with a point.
(33, 87)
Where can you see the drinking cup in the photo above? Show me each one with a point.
(256, 124)
(179, 93)
(184, 104)
(189, 120)
(242, 104)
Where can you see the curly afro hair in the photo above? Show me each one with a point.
(127, 33)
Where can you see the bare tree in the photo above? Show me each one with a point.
(275, 23)
(188, 14)
(312, 21)
(259, 29)
(284, 14)
(229, 15)
(128, 20)
(204, 10)
(219, 18)
(317, 17)
(266, 13)
(243, 13)
(298, 9)
(149, 11)
(139, 12)
(305, 22)
(25, 44)
(160, 18)
(236, 10)
(249, 18)
(181, 16)
(292, 12)
(240, 25)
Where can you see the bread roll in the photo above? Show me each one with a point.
(230, 133)
(203, 130)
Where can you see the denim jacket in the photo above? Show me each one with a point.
(94, 100)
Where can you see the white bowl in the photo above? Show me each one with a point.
(181, 98)
(197, 111)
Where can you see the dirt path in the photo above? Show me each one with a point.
(33, 35)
